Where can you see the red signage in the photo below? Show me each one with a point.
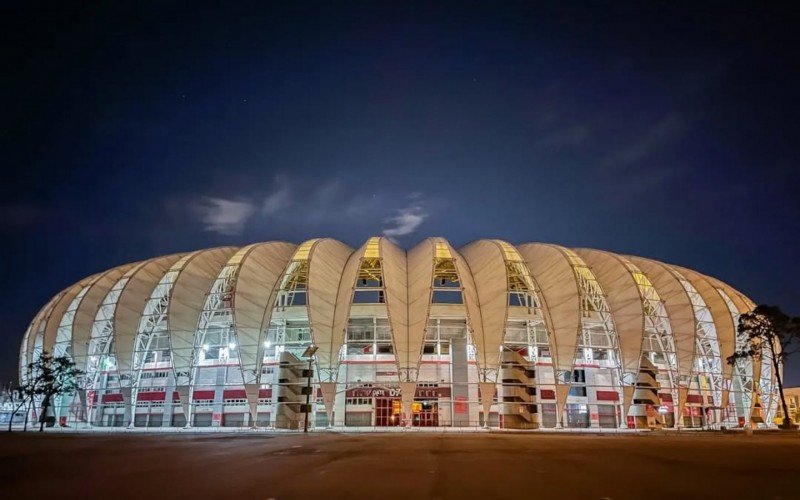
(394, 392)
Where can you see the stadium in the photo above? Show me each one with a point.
(532, 336)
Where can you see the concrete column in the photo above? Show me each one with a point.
(251, 391)
(683, 393)
(459, 376)
(562, 390)
(487, 396)
(127, 419)
(407, 392)
(627, 399)
(184, 396)
(169, 404)
(328, 390)
(219, 389)
(726, 394)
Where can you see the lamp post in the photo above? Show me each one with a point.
(309, 353)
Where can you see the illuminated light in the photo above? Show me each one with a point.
(539, 332)
(373, 248)
(231, 345)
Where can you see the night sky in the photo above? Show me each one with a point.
(130, 131)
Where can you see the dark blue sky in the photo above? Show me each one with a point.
(663, 130)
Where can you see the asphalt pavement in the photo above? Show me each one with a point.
(324, 466)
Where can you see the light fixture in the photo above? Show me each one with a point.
(205, 347)
(267, 344)
(231, 345)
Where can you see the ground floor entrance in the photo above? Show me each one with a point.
(387, 412)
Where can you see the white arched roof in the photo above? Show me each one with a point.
(624, 300)
(679, 308)
(260, 269)
(561, 298)
(326, 265)
(723, 322)
(394, 270)
(130, 306)
(407, 282)
(186, 302)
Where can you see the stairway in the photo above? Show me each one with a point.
(290, 392)
(517, 392)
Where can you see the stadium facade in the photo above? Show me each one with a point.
(492, 335)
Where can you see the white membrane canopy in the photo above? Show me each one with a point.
(186, 303)
(39, 321)
(560, 295)
(34, 328)
(260, 269)
(486, 285)
(420, 287)
(326, 262)
(422, 260)
(723, 322)
(394, 274)
(395, 284)
(53, 320)
(130, 306)
(87, 310)
(624, 300)
(742, 303)
(487, 260)
(679, 309)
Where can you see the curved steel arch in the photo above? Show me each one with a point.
(491, 263)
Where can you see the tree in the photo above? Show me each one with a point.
(769, 332)
(18, 397)
(50, 377)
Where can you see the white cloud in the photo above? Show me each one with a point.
(277, 201)
(407, 219)
(306, 206)
(646, 144)
(225, 216)
(573, 136)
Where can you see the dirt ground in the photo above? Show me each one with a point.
(408, 466)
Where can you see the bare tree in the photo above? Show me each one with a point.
(773, 335)
(18, 397)
(51, 377)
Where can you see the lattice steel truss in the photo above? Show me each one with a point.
(658, 343)
(598, 337)
(101, 357)
(215, 340)
(708, 365)
(152, 343)
(742, 383)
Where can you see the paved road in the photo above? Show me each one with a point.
(408, 466)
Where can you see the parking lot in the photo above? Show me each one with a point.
(332, 465)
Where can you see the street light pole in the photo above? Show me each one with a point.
(308, 396)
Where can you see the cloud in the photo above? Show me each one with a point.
(406, 220)
(276, 201)
(573, 136)
(224, 216)
(646, 144)
(298, 207)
